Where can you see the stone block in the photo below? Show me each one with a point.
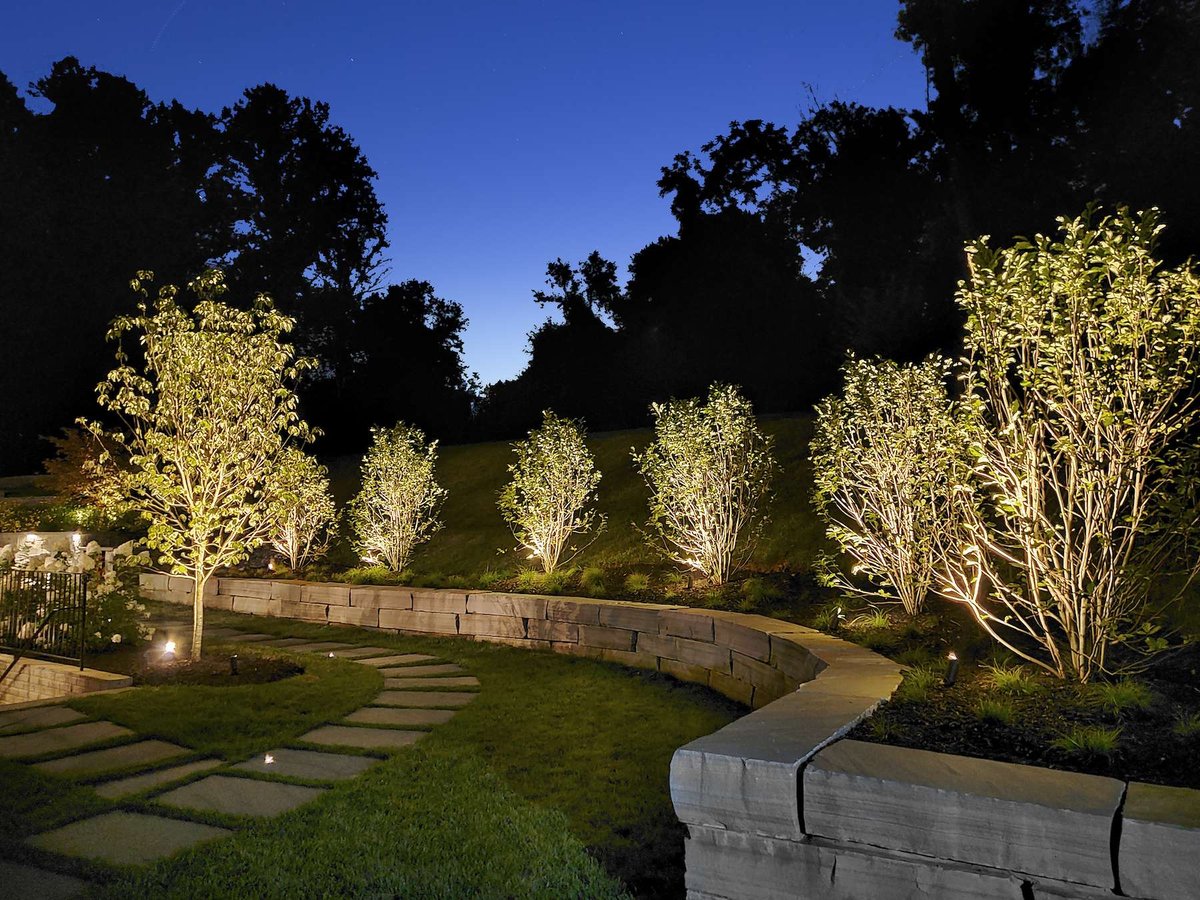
(381, 597)
(362, 738)
(422, 671)
(135, 784)
(791, 656)
(732, 687)
(287, 590)
(759, 674)
(239, 796)
(152, 581)
(546, 630)
(37, 717)
(437, 601)
(98, 762)
(739, 866)
(60, 740)
(246, 587)
(425, 699)
(125, 838)
(684, 671)
(745, 776)
(350, 615)
(414, 620)
(256, 606)
(604, 638)
(521, 606)
(396, 659)
(181, 584)
(393, 717)
(750, 635)
(698, 653)
(492, 626)
(329, 594)
(309, 612)
(687, 623)
(634, 616)
(1160, 842)
(513, 642)
(435, 683)
(1006, 816)
(581, 612)
(310, 764)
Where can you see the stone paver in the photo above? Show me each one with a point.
(127, 787)
(386, 715)
(360, 652)
(54, 740)
(448, 681)
(29, 883)
(363, 738)
(315, 646)
(37, 717)
(401, 660)
(424, 699)
(312, 764)
(97, 762)
(421, 671)
(125, 838)
(239, 796)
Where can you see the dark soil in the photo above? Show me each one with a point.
(214, 670)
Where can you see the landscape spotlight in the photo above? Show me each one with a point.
(952, 669)
(233, 664)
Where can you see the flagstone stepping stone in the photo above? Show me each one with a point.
(359, 652)
(125, 756)
(319, 645)
(390, 716)
(29, 883)
(127, 787)
(69, 737)
(286, 642)
(415, 671)
(37, 717)
(403, 659)
(445, 681)
(311, 764)
(239, 796)
(424, 699)
(363, 738)
(125, 838)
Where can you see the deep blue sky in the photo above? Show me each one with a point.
(505, 134)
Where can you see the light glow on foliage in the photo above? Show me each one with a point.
(886, 455)
(548, 501)
(708, 471)
(302, 509)
(397, 506)
(205, 414)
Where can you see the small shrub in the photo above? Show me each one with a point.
(1120, 697)
(374, 575)
(1015, 680)
(917, 684)
(999, 712)
(489, 579)
(592, 581)
(919, 657)
(759, 592)
(829, 618)
(1091, 741)
(533, 582)
(874, 620)
(1187, 726)
(396, 510)
(637, 582)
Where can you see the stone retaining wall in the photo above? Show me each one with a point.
(777, 804)
(36, 679)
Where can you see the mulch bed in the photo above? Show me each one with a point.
(214, 670)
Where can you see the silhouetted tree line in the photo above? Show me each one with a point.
(1035, 109)
(794, 243)
(106, 183)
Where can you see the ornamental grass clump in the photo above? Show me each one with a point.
(885, 457)
(303, 513)
(549, 501)
(708, 471)
(397, 507)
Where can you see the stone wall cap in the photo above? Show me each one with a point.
(1163, 805)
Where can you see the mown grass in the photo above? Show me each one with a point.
(475, 539)
(554, 782)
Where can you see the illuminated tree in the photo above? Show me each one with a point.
(207, 408)
(548, 501)
(1083, 358)
(886, 455)
(302, 509)
(708, 470)
(397, 507)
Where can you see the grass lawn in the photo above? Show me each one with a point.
(553, 783)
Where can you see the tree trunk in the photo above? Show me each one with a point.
(200, 583)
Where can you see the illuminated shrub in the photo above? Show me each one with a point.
(548, 502)
(708, 471)
(397, 507)
(885, 456)
(302, 510)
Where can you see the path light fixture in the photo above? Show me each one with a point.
(168, 649)
(233, 664)
(331, 654)
(268, 760)
(952, 669)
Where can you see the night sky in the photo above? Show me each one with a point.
(504, 134)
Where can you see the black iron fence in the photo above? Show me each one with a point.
(42, 614)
